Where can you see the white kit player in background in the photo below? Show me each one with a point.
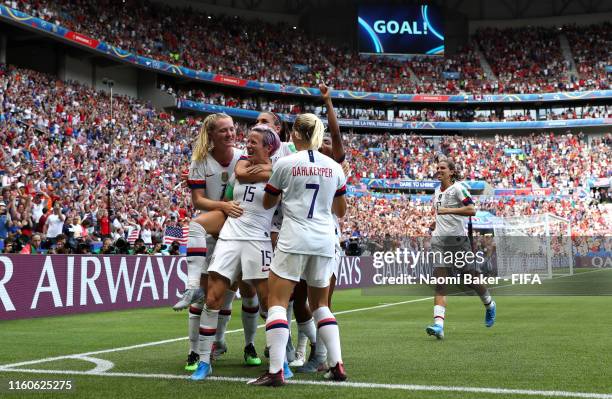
(244, 249)
(452, 204)
(312, 185)
(213, 160)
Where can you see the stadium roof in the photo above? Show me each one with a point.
(473, 9)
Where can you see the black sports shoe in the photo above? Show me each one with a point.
(192, 361)
(269, 380)
(336, 373)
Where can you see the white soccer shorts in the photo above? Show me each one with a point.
(316, 270)
(235, 258)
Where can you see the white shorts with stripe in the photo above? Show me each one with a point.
(316, 270)
(237, 259)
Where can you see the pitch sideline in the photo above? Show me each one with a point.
(348, 384)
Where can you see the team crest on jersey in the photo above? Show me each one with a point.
(225, 177)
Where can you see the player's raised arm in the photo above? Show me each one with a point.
(334, 127)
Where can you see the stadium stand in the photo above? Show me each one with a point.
(55, 143)
(525, 60)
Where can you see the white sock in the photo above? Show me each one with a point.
(329, 334)
(225, 314)
(301, 344)
(309, 330)
(290, 314)
(195, 311)
(196, 254)
(439, 314)
(250, 309)
(277, 334)
(320, 349)
(486, 299)
(208, 328)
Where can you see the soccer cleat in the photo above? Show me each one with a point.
(192, 361)
(490, 314)
(336, 373)
(219, 348)
(191, 295)
(250, 356)
(287, 373)
(300, 359)
(269, 380)
(313, 365)
(290, 351)
(204, 370)
(435, 330)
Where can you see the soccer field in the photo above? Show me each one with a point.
(538, 345)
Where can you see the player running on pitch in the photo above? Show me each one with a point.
(452, 204)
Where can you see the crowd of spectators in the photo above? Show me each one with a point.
(524, 60)
(591, 50)
(375, 219)
(59, 147)
(295, 107)
(561, 162)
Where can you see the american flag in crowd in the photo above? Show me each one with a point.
(174, 233)
(133, 236)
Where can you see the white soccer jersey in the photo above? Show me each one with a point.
(309, 181)
(455, 196)
(255, 222)
(212, 176)
(286, 148)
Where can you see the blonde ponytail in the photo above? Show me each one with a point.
(202, 144)
(310, 129)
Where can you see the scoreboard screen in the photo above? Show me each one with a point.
(400, 30)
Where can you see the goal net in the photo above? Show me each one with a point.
(539, 244)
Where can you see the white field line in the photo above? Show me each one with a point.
(348, 384)
(168, 341)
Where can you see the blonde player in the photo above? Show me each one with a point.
(213, 160)
(312, 185)
(332, 147)
(452, 204)
(244, 248)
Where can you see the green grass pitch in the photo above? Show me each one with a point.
(538, 344)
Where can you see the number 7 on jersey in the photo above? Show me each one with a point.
(315, 187)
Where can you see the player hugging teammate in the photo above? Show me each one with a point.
(229, 189)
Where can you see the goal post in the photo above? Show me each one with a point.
(534, 244)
